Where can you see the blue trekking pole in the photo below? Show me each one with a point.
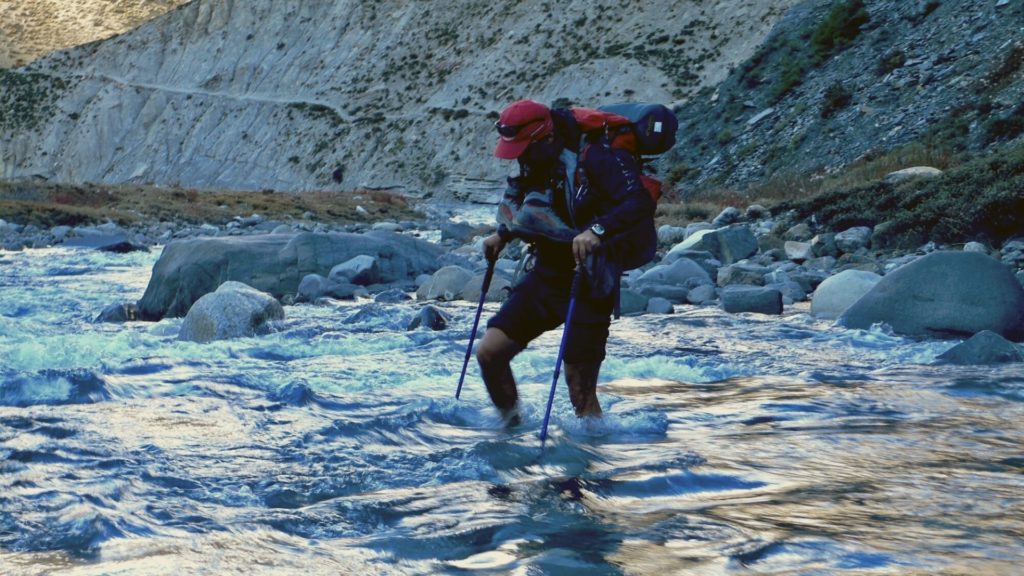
(476, 322)
(561, 352)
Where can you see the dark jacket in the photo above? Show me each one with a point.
(605, 189)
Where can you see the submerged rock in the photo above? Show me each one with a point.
(944, 293)
(985, 347)
(234, 310)
(430, 317)
(124, 312)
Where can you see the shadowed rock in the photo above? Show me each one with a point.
(985, 347)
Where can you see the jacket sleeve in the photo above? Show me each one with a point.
(624, 200)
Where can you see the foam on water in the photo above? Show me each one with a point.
(335, 445)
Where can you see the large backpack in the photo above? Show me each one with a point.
(645, 130)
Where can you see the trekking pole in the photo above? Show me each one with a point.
(476, 322)
(561, 352)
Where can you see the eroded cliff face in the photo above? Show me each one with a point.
(394, 94)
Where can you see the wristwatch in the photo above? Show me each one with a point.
(597, 229)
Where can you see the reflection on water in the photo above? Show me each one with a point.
(731, 445)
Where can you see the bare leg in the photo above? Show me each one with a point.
(582, 380)
(494, 354)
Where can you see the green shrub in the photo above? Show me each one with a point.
(980, 199)
(840, 27)
(1006, 127)
(836, 98)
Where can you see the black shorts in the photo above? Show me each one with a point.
(540, 301)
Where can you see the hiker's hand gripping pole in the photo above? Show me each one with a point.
(573, 292)
(476, 321)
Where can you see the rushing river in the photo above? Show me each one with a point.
(731, 444)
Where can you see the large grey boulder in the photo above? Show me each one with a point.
(985, 347)
(273, 263)
(944, 293)
(234, 310)
(730, 244)
(837, 293)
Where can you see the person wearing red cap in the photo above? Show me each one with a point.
(573, 216)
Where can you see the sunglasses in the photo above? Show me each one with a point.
(511, 131)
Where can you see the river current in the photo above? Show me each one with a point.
(731, 444)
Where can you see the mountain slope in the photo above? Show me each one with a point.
(838, 82)
(31, 29)
(391, 94)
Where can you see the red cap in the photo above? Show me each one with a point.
(533, 121)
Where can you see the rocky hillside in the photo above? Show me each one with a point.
(36, 28)
(841, 81)
(391, 94)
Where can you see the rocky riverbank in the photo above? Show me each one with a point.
(744, 261)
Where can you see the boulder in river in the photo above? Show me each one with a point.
(762, 300)
(273, 263)
(945, 293)
(234, 310)
(837, 293)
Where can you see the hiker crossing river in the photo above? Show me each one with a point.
(334, 445)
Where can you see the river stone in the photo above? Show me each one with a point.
(117, 313)
(729, 215)
(702, 294)
(944, 293)
(985, 347)
(975, 247)
(659, 305)
(446, 284)
(912, 172)
(392, 296)
(234, 310)
(672, 293)
(500, 285)
(669, 235)
(824, 244)
(799, 233)
(631, 302)
(837, 293)
(272, 263)
(746, 274)
(314, 286)
(362, 270)
(430, 317)
(677, 273)
(853, 239)
(798, 251)
(736, 299)
(728, 245)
